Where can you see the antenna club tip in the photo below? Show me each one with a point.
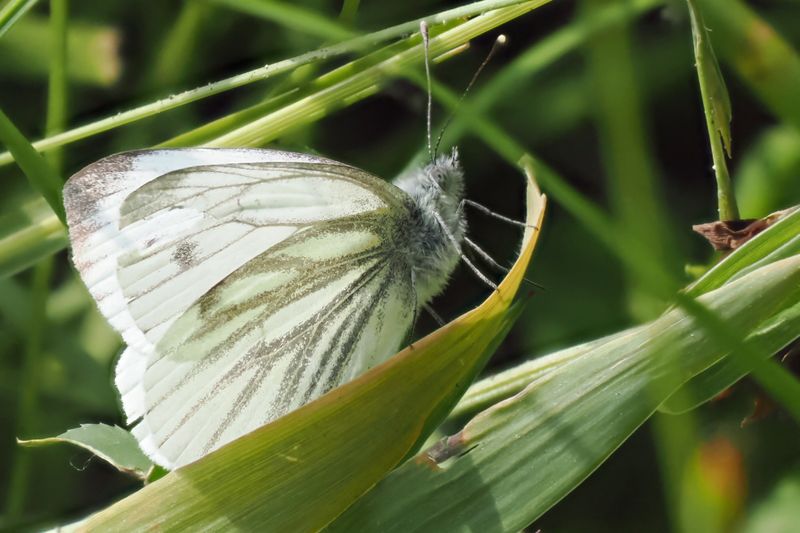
(501, 39)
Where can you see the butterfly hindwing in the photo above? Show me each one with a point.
(279, 332)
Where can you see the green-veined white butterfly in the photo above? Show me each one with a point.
(248, 282)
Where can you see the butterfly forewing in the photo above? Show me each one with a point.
(93, 199)
(236, 212)
(243, 289)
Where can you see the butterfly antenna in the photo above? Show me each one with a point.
(500, 41)
(426, 45)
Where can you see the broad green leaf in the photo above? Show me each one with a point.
(777, 241)
(515, 460)
(303, 470)
(110, 443)
(771, 337)
(503, 385)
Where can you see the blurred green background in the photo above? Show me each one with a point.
(618, 115)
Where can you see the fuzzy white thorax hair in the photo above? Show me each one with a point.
(437, 190)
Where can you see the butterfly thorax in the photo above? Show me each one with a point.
(436, 192)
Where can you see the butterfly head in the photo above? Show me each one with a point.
(438, 187)
(445, 175)
(436, 191)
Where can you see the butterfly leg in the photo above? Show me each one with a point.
(434, 314)
(486, 257)
(498, 216)
(464, 258)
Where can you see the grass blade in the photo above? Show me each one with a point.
(41, 177)
(12, 11)
(27, 234)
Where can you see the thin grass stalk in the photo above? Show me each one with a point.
(12, 11)
(716, 108)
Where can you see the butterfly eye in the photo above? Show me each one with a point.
(441, 177)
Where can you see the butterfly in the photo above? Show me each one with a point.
(247, 282)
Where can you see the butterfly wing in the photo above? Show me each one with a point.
(250, 289)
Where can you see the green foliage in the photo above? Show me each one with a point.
(111, 443)
(526, 453)
(604, 96)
